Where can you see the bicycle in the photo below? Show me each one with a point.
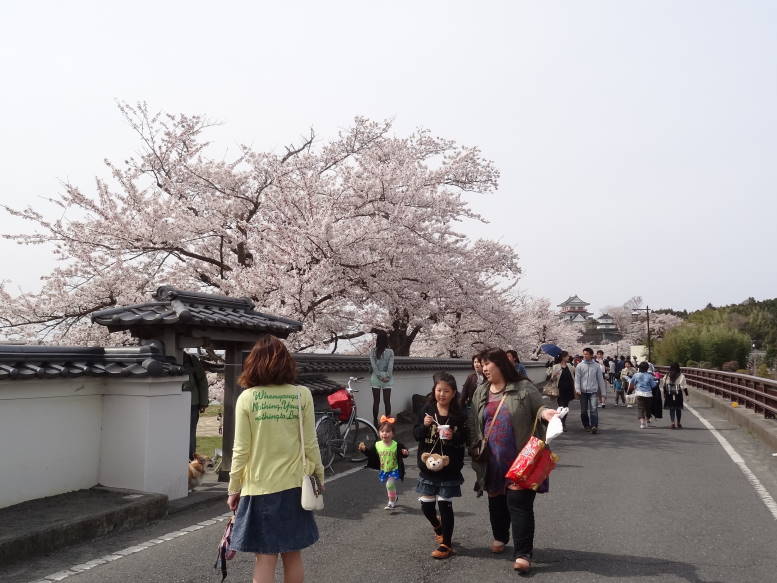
(340, 435)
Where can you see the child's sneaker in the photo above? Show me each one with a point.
(390, 506)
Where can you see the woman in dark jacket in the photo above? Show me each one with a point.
(674, 386)
(441, 429)
(471, 383)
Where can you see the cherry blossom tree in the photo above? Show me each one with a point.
(348, 235)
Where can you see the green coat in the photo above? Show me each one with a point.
(197, 384)
(523, 401)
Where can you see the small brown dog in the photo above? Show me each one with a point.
(197, 470)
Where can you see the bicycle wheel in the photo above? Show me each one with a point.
(326, 434)
(359, 431)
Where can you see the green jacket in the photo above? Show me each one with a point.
(197, 384)
(524, 402)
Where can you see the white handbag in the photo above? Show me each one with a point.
(312, 492)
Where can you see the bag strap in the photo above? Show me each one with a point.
(536, 418)
(493, 419)
(301, 431)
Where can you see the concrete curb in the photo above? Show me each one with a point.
(753, 423)
(31, 535)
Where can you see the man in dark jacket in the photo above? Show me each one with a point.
(197, 385)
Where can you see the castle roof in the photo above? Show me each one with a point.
(573, 301)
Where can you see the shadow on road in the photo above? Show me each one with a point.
(611, 565)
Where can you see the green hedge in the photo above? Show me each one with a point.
(710, 345)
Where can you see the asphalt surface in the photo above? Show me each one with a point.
(625, 505)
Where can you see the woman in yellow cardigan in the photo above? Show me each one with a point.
(266, 475)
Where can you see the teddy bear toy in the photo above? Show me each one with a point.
(434, 461)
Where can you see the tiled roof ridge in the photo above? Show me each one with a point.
(176, 307)
(31, 361)
(168, 293)
(311, 362)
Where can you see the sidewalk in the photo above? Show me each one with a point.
(41, 526)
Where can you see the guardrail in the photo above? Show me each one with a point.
(755, 393)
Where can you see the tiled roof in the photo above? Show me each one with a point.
(318, 384)
(336, 363)
(574, 301)
(180, 308)
(45, 362)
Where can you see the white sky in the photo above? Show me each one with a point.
(636, 139)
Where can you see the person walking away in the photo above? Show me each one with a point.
(673, 385)
(589, 386)
(643, 383)
(197, 385)
(472, 382)
(387, 456)
(562, 376)
(656, 403)
(513, 356)
(503, 412)
(382, 377)
(267, 468)
(441, 429)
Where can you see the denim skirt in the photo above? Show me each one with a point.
(273, 523)
(442, 488)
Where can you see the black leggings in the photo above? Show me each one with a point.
(444, 525)
(376, 403)
(515, 509)
(675, 412)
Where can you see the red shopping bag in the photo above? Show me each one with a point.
(533, 464)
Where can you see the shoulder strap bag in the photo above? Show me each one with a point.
(479, 451)
(312, 493)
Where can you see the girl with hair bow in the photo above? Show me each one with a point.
(387, 457)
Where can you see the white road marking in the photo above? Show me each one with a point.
(759, 488)
(139, 548)
(81, 567)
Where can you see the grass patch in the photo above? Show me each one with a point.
(211, 411)
(207, 444)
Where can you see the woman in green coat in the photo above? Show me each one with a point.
(505, 407)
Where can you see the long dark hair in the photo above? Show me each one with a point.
(499, 358)
(454, 409)
(381, 343)
(674, 371)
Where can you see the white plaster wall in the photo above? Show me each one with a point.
(147, 445)
(406, 384)
(50, 436)
(61, 435)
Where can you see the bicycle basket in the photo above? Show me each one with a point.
(342, 402)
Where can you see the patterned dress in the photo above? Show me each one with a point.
(501, 445)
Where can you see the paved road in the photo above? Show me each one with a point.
(625, 505)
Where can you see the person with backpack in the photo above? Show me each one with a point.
(673, 386)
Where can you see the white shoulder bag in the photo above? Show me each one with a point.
(312, 494)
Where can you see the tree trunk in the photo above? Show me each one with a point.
(399, 341)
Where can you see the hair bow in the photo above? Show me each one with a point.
(384, 419)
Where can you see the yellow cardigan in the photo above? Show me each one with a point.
(266, 456)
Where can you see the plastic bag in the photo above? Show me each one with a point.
(555, 428)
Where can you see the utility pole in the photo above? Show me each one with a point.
(647, 311)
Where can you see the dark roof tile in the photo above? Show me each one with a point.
(19, 362)
(174, 307)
